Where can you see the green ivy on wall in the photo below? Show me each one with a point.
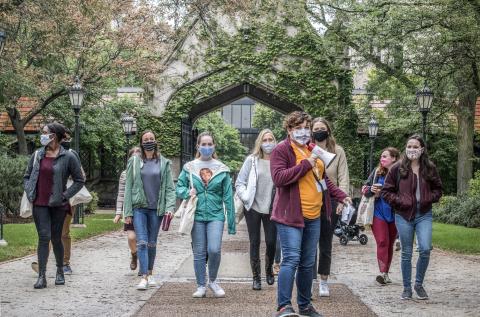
(290, 58)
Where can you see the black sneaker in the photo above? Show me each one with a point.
(381, 280)
(286, 311)
(310, 311)
(407, 294)
(421, 293)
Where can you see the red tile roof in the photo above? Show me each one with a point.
(25, 105)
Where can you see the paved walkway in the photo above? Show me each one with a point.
(103, 285)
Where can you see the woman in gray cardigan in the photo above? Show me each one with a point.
(45, 183)
(255, 174)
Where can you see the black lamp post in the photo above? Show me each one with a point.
(372, 133)
(127, 123)
(424, 101)
(77, 94)
(3, 243)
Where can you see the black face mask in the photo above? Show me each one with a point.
(149, 145)
(66, 145)
(320, 135)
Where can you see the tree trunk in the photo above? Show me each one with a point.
(19, 126)
(465, 133)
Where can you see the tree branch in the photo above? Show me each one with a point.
(43, 105)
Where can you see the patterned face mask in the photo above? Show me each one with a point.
(414, 154)
(301, 136)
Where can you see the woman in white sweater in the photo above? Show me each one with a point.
(132, 239)
(337, 172)
(254, 186)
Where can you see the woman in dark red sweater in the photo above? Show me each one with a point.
(411, 186)
(45, 183)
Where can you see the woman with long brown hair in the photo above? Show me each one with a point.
(411, 187)
(383, 226)
(337, 172)
(149, 194)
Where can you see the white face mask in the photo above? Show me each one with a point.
(301, 136)
(268, 147)
(45, 139)
(414, 154)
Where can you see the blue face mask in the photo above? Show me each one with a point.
(206, 151)
(268, 147)
(45, 139)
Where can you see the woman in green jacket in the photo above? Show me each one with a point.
(213, 187)
(149, 194)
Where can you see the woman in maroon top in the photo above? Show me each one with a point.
(45, 183)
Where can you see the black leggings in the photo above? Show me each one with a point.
(254, 220)
(49, 223)
(325, 243)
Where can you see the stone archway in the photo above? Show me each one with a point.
(222, 97)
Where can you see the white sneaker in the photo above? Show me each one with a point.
(387, 278)
(216, 289)
(143, 285)
(201, 292)
(151, 281)
(323, 290)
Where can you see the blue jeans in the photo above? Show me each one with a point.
(206, 238)
(278, 251)
(422, 227)
(298, 250)
(146, 224)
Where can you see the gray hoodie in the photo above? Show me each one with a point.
(65, 165)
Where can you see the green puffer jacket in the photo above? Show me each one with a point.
(135, 195)
(214, 200)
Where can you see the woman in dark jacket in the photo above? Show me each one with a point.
(45, 183)
(411, 187)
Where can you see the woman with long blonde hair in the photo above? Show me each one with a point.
(255, 173)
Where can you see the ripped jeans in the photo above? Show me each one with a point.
(146, 224)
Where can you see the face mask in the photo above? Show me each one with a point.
(320, 135)
(45, 139)
(414, 154)
(301, 136)
(385, 162)
(66, 145)
(206, 151)
(149, 145)
(268, 147)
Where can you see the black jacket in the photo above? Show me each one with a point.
(66, 164)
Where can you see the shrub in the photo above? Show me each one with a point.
(464, 211)
(12, 170)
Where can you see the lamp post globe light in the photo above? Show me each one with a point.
(128, 123)
(3, 243)
(372, 133)
(424, 102)
(77, 93)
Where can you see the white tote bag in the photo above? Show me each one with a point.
(82, 197)
(366, 209)
(186, 212)
(26, 206)
(238, 208)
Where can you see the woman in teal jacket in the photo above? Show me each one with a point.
(149, 194)
(213, 187)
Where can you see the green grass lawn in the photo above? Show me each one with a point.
(456, 238)
(22, 238)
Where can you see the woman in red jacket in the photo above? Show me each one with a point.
(303, 192)
(411, 186)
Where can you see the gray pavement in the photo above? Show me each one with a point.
(103, 285)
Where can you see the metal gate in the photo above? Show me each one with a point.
(188, 139)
